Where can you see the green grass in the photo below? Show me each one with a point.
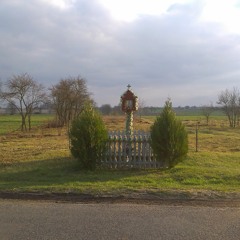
(197, 174)
(12, 123)
(40, 161)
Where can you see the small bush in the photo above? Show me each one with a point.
(88, 137)
(169, 139)
(53, 124)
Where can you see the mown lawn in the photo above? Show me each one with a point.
(40, 161)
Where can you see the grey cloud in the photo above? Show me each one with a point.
(159, 55)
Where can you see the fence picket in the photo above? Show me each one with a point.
(134, 152)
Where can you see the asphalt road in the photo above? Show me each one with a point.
(48, 220)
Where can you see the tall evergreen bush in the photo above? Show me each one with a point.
(88, 136)
(169, 139)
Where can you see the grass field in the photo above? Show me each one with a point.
(12, 123)
(40, 161)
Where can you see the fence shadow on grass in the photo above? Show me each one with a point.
(62, 173)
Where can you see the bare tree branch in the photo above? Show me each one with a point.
(207, 110)
(68, 98)
(230, 102)
(22, 92)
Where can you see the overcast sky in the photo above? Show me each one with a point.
(188, 50)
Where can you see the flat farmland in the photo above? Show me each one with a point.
(40, 161)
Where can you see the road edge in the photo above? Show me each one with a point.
(134, 199)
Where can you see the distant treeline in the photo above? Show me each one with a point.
(106, 109)
(116, 110)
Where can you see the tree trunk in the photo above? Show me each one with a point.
(23, 127)
(29, 122)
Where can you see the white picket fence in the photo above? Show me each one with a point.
(134, 152)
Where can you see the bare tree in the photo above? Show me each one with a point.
(106, 109)
(207, 110)
(141, 105)
(25, 94)
(68, 98)
(230, 102)
(11, 109)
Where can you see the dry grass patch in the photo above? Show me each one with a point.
(40, 161)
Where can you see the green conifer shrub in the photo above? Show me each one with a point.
(168, 138)
(88, 136)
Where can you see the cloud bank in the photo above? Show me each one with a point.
(174, 54)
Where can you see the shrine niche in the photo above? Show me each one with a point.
(129, 101)
(129, 104)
